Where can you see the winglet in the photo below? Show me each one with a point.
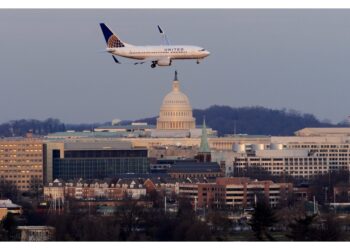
(165, 39)
(116, 60)
(160, 30)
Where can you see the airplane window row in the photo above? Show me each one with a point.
(156, 52)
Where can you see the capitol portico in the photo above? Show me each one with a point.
(176, 111)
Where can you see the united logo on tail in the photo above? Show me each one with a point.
(111, 39)
(114, 42)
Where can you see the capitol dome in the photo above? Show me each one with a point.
(176, 110)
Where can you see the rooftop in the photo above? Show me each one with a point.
(191, 167)
(323, 131)
(35, 228)
(128, 127)
(8, 204)
(98, 145)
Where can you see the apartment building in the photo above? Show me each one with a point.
(95, 190)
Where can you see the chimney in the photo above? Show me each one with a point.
(29, 134)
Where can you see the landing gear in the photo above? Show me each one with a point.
(153, 65)
(198, 61)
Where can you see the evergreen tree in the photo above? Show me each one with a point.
(263, 218)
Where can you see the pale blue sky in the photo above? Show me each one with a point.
(51, 65)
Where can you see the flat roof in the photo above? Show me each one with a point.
(323, 131)
(192, 167)
(8, 204)
(137, 126)
(99, 145)
(35, 228)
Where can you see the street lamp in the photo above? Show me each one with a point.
(348, 173)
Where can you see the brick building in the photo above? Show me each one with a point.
(234, 192)
(95, 190)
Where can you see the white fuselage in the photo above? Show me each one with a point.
(162, 51)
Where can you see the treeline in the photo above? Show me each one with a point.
(129, 223)
(37, 127)
(134, 223)
(224, 119)
(254, 120)
(23, 126)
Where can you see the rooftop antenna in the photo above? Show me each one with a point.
(234, 127)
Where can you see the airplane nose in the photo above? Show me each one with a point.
(207, 53)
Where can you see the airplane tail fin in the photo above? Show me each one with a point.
(111, 39)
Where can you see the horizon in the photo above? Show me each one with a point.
(286, 111)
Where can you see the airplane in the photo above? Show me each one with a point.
(161, 55)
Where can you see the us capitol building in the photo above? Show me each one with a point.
(175, 126)
(176, 112)
(175, 120)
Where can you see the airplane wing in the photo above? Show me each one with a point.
(165, 40)
(119, 62)
(116, 60)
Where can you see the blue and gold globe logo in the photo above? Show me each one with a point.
(114, 42)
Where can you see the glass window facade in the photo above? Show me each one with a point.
(99, 164)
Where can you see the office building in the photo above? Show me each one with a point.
(21, 163)
(297, 163)
(234, 192)
(92, 159)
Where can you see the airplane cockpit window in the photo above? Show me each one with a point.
(202, 50)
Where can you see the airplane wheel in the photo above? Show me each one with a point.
(197, 62)
(153, 65)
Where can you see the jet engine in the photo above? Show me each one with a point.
(164, 62)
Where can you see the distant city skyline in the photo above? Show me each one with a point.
(52, 65)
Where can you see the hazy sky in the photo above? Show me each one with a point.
(51, 63)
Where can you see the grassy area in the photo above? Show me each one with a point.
(278, 236)
(249, 236)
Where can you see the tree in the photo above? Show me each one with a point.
(329, 230)
(263, 218)
(130, 218)
(32, 216)
(156, 198)
(185, 209)
(159, 225)
(301, 229)
(9, 225)
(3, 233)
(8, 191)
(220, 225)
(197, 231)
